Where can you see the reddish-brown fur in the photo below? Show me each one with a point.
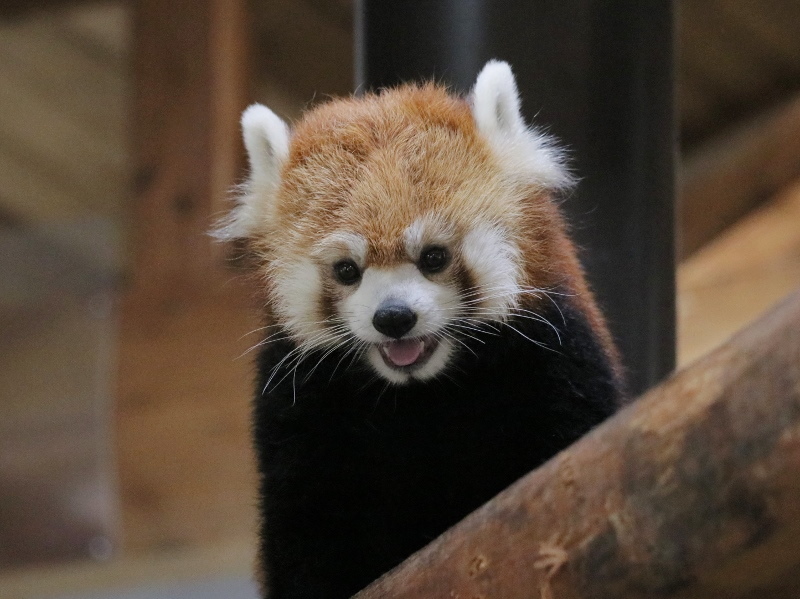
(374, 164)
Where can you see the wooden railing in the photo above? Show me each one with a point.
(692, 491)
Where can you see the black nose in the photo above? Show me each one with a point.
(394, 320)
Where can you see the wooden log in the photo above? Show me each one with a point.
(692, 491)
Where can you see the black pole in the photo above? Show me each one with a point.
(599, 75)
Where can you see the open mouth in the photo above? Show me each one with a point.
(406, 354)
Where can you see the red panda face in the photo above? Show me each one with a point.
(407, 313)
(395, 226)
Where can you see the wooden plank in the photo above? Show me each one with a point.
(689, 492)
(27, 195)
(727, 178)
(182, 425)
(61, 126)
(63, 150)
(64, 70)
(230, 65)
(694, 107)
(182, 395)
(739, 275)
(87, 165)
(741, 54)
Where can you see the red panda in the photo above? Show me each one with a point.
(433, 336)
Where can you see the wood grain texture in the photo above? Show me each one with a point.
(62, 133)
(183, 409)
(739, 275)
(183, 423)
(689, 492)
(175, 119)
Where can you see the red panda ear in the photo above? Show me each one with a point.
(266, 139)
(495, 101)
(528, 155)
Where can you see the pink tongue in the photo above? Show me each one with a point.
(404, 352)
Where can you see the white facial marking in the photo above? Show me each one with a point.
(427, 230)
(436, 362)
(298, 287)
(494, 262)
(404, 283)
(338, 246)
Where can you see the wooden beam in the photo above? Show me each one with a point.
(190, 85)
(739, 275)
(180, 405)
(689, 492)
(724, 180)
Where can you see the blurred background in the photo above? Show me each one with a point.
(125, 463)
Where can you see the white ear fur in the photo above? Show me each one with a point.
(524, 151)
(266, 139)
(495, 101)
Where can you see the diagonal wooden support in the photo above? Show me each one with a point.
(692, 491)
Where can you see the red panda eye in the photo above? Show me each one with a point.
(346, 272)
(434, 259)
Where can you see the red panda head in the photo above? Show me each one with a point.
(396, 223)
